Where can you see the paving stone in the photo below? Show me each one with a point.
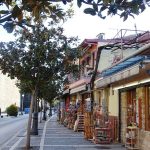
(58, 148)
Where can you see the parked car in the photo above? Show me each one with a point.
(26, 110)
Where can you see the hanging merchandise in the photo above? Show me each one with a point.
(88, 105)
(105, 109)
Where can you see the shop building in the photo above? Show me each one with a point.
(124, 90)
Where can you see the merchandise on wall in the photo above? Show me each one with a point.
(132, 138)
(104, 127)
(88, 125)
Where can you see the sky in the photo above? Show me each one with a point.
(87, 27)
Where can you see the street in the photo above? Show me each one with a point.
(9, 126)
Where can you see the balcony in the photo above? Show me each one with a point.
(81, 81)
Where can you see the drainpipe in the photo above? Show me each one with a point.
(119, 121)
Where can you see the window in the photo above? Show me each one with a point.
(147, 108)
(82, 68)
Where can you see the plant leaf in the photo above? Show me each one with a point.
(9, 26)
(79, 3)
(95, 6)
(90, 11)
(16, 12)
(103, 8)
(4, 12)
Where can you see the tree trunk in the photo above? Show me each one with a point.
(93, 80)
(29, 120)
(95, 72)
(34, 130)
(41, 112)
(94, 76)
(50, 110)
(59, 112)
(44, 111)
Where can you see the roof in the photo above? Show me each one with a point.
(87, 42)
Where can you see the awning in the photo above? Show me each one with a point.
(78, 89)
(126, 73)
(124, 64)
(66, 92)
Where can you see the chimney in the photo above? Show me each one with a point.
(100, 36)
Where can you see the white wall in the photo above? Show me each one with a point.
(113, 102)
(107, 57)
(105, 60)
(9, 93)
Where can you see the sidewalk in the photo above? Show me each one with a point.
(53, 136)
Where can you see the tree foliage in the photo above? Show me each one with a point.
(123, 8)
(12, 110)
(39, 57)
(20, 12)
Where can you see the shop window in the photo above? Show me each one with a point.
(147, 108)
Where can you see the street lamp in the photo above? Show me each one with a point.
(22, 99)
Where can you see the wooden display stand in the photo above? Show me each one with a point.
(104, 131)
(80, 126)
(88, 128)
(114, 126)
(102, 135)
(132, 137)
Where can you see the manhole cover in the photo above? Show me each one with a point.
(20, 136)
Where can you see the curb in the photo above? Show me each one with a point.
(44, 133)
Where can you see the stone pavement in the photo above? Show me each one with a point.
(53, 136)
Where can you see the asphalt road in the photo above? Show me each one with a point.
(9, 126)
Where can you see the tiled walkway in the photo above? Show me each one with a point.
(53, 136)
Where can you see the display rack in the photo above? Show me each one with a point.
(88, 127)
(80, 126)
(132, 137)
(102, 135)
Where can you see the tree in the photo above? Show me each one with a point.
(12, 110)
(123, 8)
(49, 91)
(22, 13)
(37, 58)
(18, 12)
